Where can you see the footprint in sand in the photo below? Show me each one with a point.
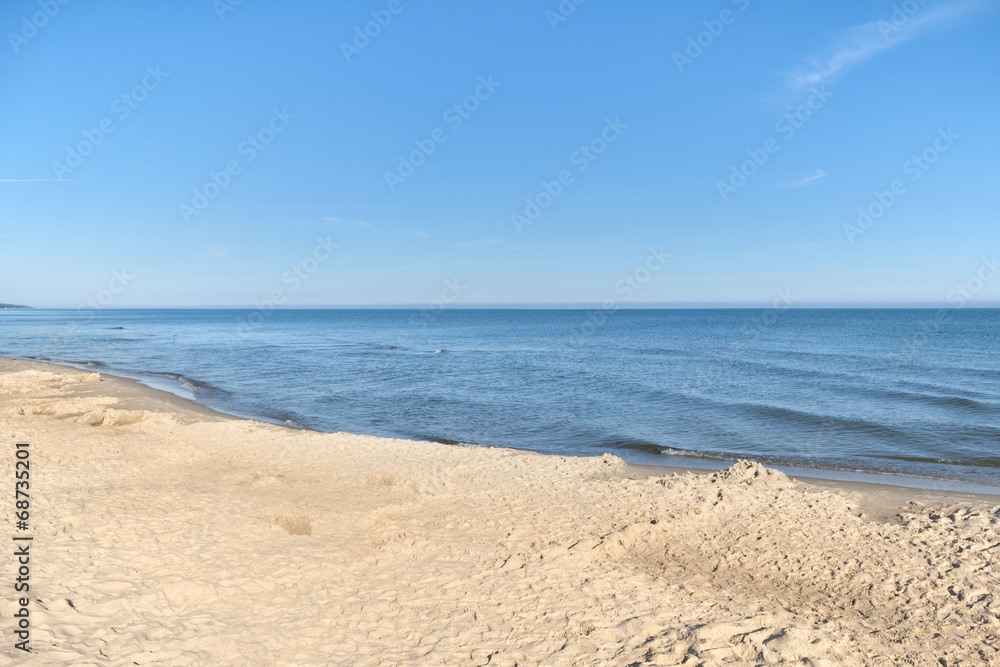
(294, 524)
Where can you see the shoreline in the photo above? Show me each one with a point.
(924, 487)
(167, 533)
(882, 502)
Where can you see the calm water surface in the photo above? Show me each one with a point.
(895, 391)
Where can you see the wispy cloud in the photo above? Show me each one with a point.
(34, 180)
(536, 247)
(477, 243)
(361, 224)
(436, 209)
(392, 269)
(860, 43)
(213, 252)
(368, 226)
(369, 259)
(808, 180)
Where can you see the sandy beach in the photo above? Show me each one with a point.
(167, 534)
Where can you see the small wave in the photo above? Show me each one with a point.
(281, 417)
(637, 445)
(840, 357)
(924, 387)
(653, 448)
(192, 385)
(806, 462)
(824, 422)
(53, 360)
(663, 352)
(367, 346)
(982, 462)
(812, 420)
(448, 441)
(962, 403)
(784, 370)
(439, 351)
(966, 404)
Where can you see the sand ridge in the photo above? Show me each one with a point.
(171, 537)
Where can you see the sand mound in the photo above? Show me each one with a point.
(295, 525)
(753, 473)
(65, 408)
(113, 417)
(33, 380)
(259, 481)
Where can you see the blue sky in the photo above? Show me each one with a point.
(644, 109)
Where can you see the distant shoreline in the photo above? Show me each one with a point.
(539, 307)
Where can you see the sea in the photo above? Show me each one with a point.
(904, 396)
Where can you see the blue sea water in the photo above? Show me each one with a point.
(913, 392)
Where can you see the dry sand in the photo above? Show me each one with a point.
(167, 534)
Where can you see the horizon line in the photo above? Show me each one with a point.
(554, 306)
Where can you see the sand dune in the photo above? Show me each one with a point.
(167, 535)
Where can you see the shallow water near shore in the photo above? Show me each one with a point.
(904, 392)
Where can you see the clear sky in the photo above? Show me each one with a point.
(622, 122)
